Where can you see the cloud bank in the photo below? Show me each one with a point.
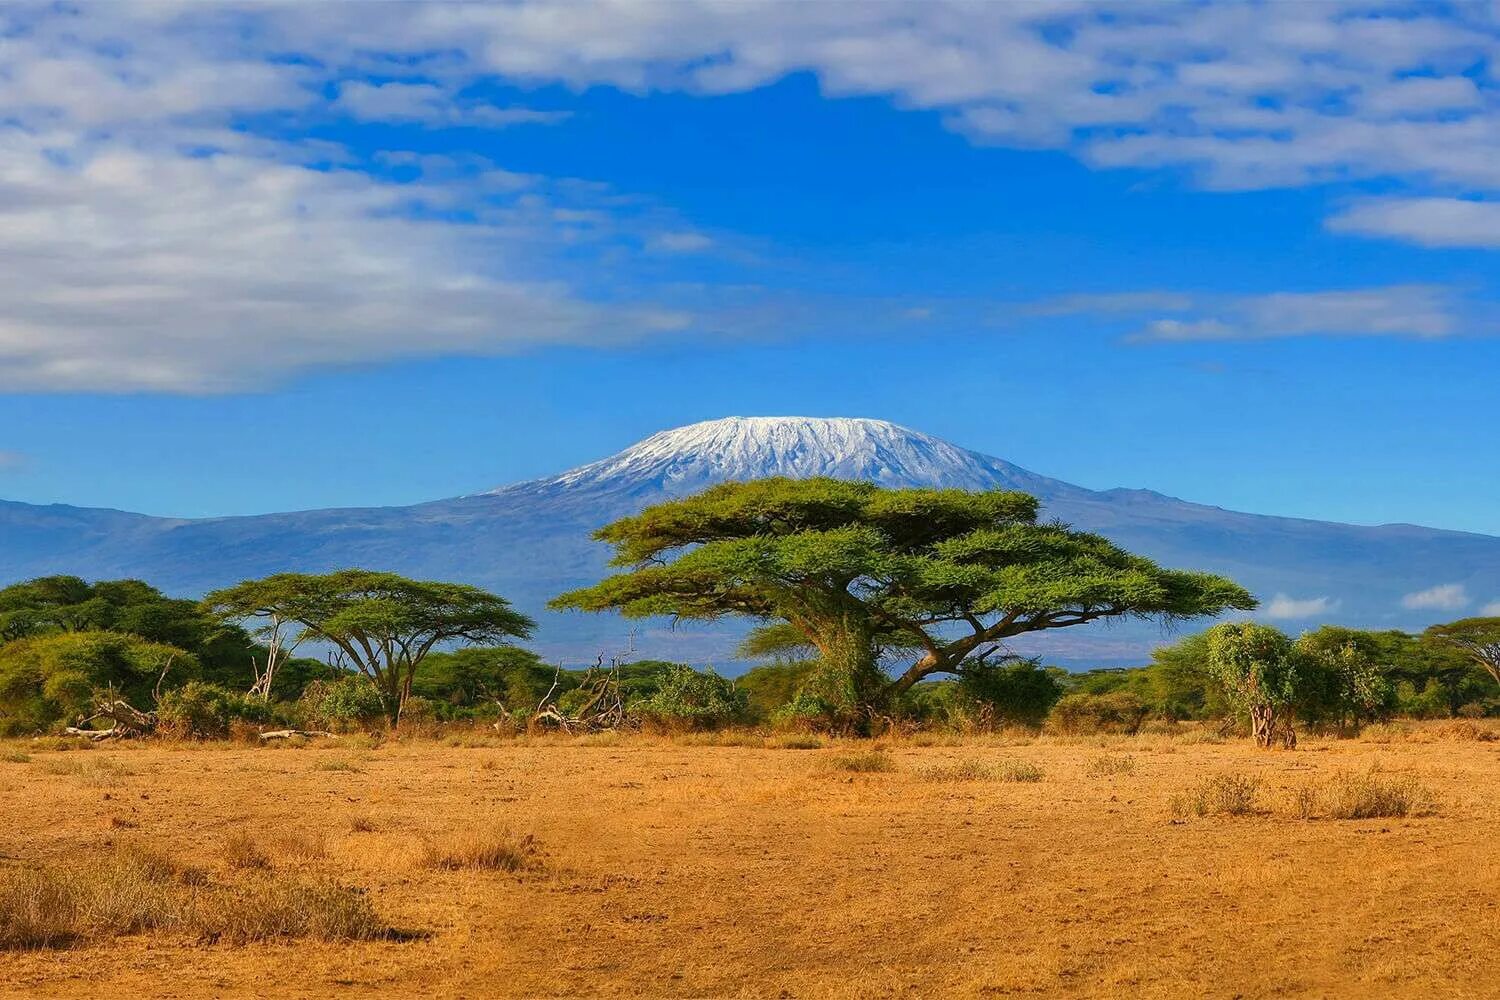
(168, 224)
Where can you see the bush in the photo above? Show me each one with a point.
(418, 716)
(977, 770)
(687, 699)
(1348, 795)
(991, 695)
(1109, 765)
(1086, 714)
(771, 687)
(807, 713)
(349, 702)
(206, 711)
(1220, 795)
(483, 850)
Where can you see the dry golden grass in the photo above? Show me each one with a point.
(691, 868)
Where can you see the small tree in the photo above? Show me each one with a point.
(379, 624)
(1343, 681)
(1479, 638)
(864, 573)
(1257, 665)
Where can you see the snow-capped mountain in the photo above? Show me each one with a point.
(714, 451)
(531, 540)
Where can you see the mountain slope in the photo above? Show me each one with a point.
(530, 540)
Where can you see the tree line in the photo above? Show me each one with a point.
(874, 605)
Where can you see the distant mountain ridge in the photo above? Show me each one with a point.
(530, 540)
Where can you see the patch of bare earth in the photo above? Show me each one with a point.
(642, 867)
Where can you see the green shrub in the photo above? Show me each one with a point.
(687, 699)
(205, 711)
(347, 703)
(1020, 692)
(771, 687)
(806, 713)
(1086, 714)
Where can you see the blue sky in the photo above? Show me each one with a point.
(263, 258)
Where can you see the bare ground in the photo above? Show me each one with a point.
(671, 869)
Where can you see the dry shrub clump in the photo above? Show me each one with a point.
(1466, 731)
(243, 851)
(1230, 794)
(797, 742)
(269, 906)
(1350, 795)
(869, 762)
(977, 770)
(15, 757)
(1108, 765)
(133, 890)
(484, 849)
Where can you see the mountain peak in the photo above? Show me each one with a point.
(736, 448)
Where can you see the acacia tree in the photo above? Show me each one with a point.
(860, 571)
(381, 624)
(1478, 637)
(1257, 665)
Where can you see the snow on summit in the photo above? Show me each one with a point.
(735, 448)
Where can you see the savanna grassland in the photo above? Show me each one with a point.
(1152, 865)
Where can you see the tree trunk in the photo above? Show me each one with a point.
(1270, 729)
(1263, 725)
(849, 677)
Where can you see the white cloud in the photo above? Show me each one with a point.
(1491, 610)
(1443, 597)
(1283, 606)
(429, 104)
(1426, 311)
(1432, 222)
(158, 235)
(679, 242)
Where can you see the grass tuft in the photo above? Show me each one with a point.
(978, 770)
(869, 762)
(1351, 795)
(484, 850)
(1109, 765)
(1231, 794)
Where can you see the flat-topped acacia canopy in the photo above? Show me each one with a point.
(857, 569)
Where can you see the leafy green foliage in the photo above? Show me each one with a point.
(381, 624)
(689, 699)
(1342, 683)
(57, 604)
(1477, 638)
(1087, 714)
(481, 680)
(49, 679)
(198, 710)
(770, 687)
(1257, 666)
(864, 572)
(350, 701)
(1015, 692)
